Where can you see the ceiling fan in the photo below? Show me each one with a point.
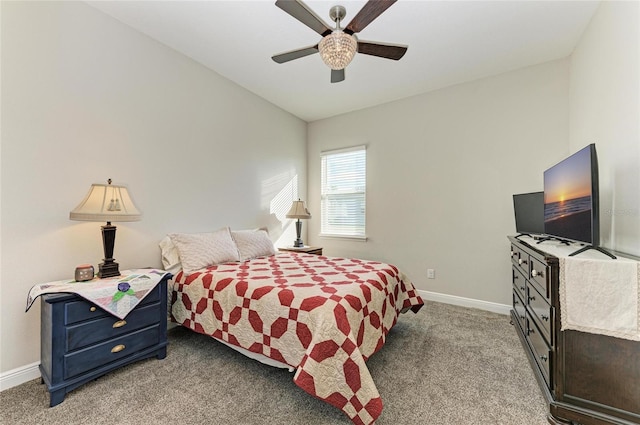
(338, 46)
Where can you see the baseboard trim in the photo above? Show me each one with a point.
(15, 377)
(20, 375)
(466, 302)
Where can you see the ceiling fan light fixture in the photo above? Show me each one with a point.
(337, 49)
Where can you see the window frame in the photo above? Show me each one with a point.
(355, 195)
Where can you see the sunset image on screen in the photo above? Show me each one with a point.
(567, 186)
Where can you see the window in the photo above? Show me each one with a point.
(342, 192)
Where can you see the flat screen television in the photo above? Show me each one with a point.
(528, 209)
(571, 207)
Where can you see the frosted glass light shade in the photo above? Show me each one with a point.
(337, 49)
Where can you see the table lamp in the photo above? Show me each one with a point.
(107, 202)
(299, 211)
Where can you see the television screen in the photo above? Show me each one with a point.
(528, 209)
(571, 198)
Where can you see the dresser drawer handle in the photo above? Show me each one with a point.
(118, 348)
(522, 288)
(543, 358)
(119, 324)
(532, 298)
(535, 273)
(545, 318)
(92, 309)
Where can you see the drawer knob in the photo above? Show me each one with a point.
(530, 331)
(119, 324)
(545, 318)
(118, 348)
(522, 317)
(535, 273)
(532, 298)
(543, 358)
(522, 288)
(516, 302)
(92, 309)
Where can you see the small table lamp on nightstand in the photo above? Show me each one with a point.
(107, 202)
(299, 211)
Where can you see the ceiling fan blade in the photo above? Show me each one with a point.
(295, 54)
(370, 11)
(382, 50)
(337, 75)
(302, 13)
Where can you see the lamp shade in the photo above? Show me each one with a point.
(106, 202)
(298, 210)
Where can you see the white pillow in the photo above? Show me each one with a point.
(199, 250)
(253, 243)
(170, 256)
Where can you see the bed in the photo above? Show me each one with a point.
(320, 316)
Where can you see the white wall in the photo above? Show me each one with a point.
(605, 110)
(85, 98)
(442, 166)
(441, 169)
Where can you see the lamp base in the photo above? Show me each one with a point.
(108, 269)
(298, 242)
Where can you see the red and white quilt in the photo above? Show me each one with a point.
(323, 316)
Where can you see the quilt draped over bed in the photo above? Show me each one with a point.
(323, 316)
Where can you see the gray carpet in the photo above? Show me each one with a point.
(444, 365)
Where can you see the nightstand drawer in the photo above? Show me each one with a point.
(102, 354)
(77, 311)
(90, 332)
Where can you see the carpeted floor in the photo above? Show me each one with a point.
(444, 365)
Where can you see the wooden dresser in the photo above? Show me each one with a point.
(586, 378)
(80, 342)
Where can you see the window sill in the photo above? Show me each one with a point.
(349, 237)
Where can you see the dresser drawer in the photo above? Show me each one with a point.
(519, 309)
(519, 282)
(541, 351)
(539, 275)
(77, 311)
(102, 354)
(521, 259)
(541, 311)
(90, 332)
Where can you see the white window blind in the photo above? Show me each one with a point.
(343, 190)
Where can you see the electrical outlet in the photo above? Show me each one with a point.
(431, 274)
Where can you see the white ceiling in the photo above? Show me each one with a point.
(450, 42)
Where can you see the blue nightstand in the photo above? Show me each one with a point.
(80, 341)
